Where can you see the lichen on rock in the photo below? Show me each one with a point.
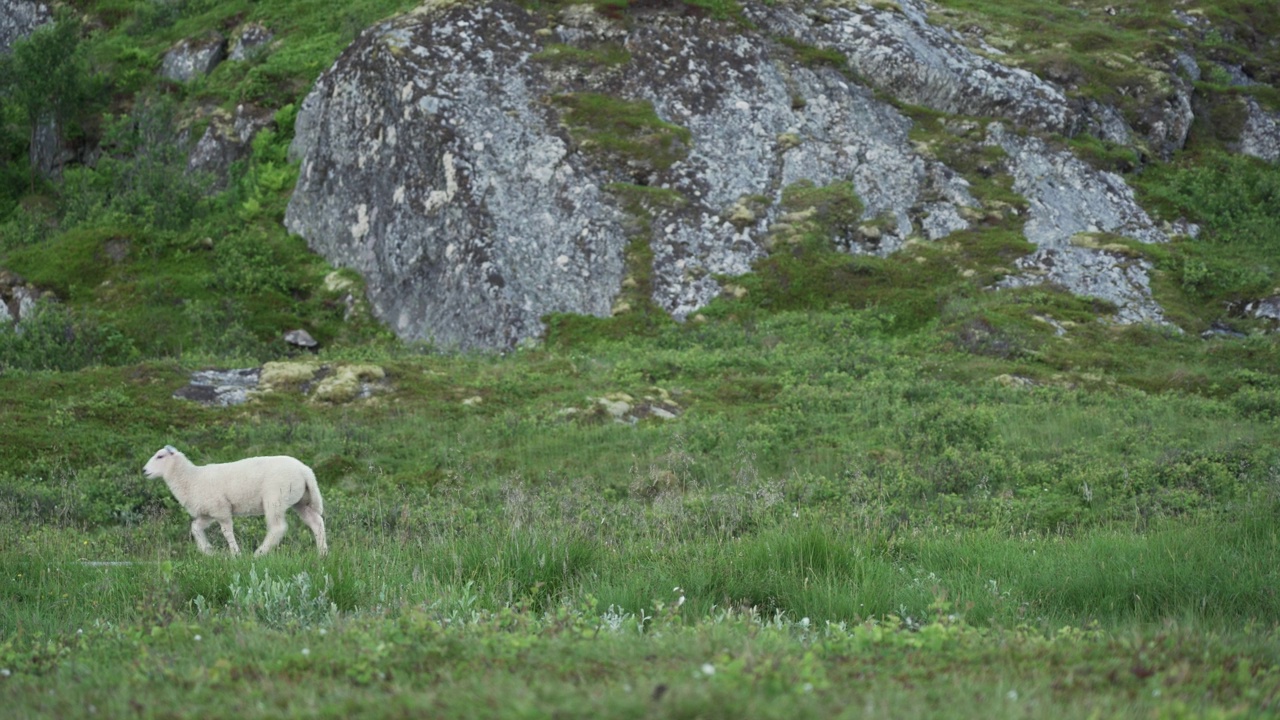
(280, 375)
(348, 382)
(464, 181)
(193, 57)
(474, 184)
(18, 18)
(1068, 198)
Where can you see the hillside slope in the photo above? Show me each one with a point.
(672, 358)
(649, 154)
(1015, 309)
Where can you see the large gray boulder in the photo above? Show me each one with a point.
(432, 164)
(439, 166)
(439, 158)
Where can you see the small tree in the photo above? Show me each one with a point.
(47, 78)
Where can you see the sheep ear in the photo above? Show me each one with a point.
(171, 449)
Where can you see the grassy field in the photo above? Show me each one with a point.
(878, 531)
(851, 487)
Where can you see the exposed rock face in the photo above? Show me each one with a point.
(1165, 121)
(438, 168)
(1068, 198)
(17, 298)
(227, 140)
(48, 152)
(251, 41)
(1265, 309)
(18, 18)
(901, 53)
(1261, 135)
(193, 57)
(430, 164)
(439, 159)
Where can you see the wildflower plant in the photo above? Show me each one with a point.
(276, 602)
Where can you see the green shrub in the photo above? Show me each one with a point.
(295, 602)
(1237, 198)
(143, 179)
(54, 338)
(47, 78)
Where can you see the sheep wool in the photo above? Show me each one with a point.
(254, 486)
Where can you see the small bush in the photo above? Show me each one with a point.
(1236, 197)
(278, 602)
(53, 338)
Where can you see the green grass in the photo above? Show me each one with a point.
(629, 130)
(1207, 575)
(887, 491)
(815, 56)
(604, 56)
(432, 606)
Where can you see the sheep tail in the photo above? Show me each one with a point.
(313, 491)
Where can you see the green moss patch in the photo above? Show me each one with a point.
(609, 55)
(628, 130)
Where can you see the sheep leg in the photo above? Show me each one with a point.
(314, 521)
(276, 525)
(197, 531)
(229, 533)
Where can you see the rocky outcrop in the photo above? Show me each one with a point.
(1067, 196)
(433, 165)
(1165, 116)
(49, 153)
(1264, 309)
(18, 18)
(442, 169)
(1260, 136)
(250, 42)
(324, 383)
(478, 186)
(1070, 204)
(17, 298)
(221, 388)
(227, 140)
(193, 57)
(896, 49)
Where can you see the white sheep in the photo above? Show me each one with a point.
(253, 486)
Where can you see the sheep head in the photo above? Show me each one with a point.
(161, 461)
